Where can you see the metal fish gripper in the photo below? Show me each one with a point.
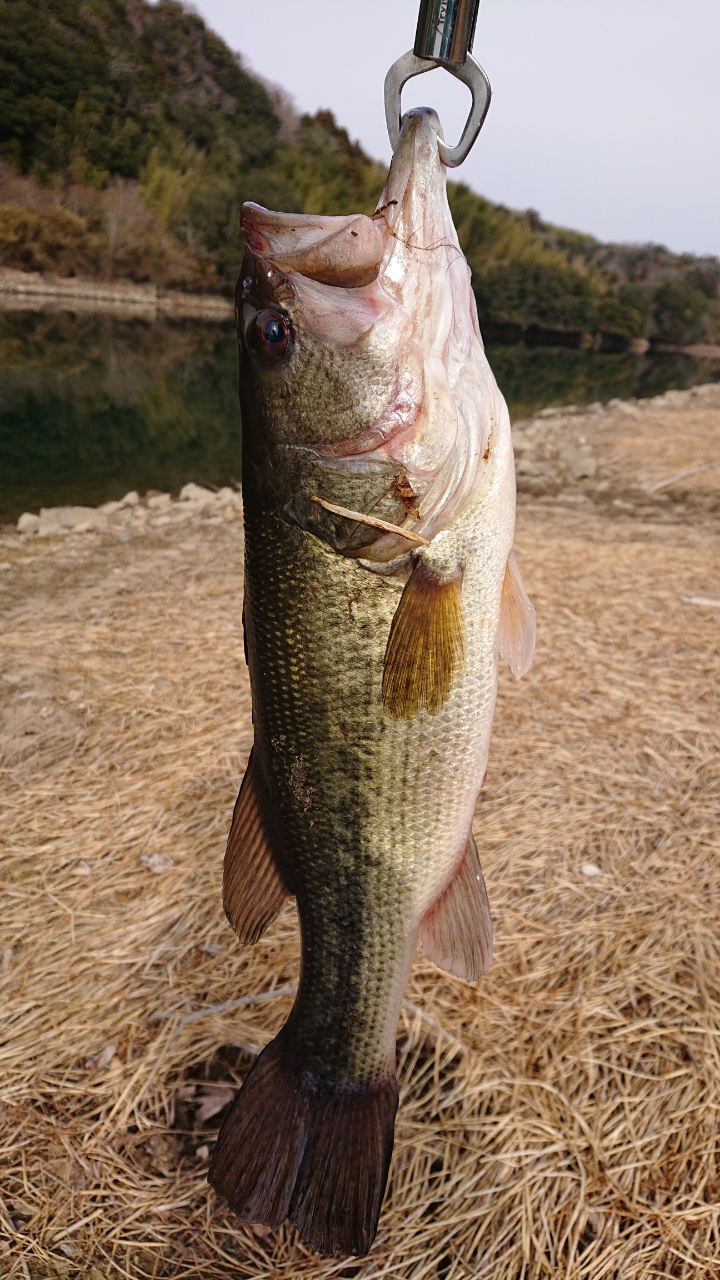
(444, 38)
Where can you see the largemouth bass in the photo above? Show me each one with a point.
(381, 586)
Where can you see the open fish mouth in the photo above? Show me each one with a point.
(344, 252)
(397, 286)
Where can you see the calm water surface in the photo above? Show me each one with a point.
(91, 405)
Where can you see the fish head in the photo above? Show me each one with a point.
(363, 378)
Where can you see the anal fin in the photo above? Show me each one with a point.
(253, 888)
(518, 628)
(426, 645)
(456, 933)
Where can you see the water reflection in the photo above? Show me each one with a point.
(92, 405)
(533, 377)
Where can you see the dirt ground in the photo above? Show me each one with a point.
(561, 1118)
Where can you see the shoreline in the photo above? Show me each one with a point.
(602, 456)
(35, 291)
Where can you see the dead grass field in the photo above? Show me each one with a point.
(561, 1119)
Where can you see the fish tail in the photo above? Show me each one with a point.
(316, 1152)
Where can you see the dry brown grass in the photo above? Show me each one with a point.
(558, 1120)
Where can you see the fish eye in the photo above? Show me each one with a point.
(272, 332)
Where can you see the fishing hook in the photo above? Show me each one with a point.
(444, 37)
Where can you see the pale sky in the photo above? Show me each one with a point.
(605, 116)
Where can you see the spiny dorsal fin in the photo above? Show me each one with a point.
(456, 933)
(517, 628)
(426, 645)
(253, 889)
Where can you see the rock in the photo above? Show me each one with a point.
(131, 499)
(580, 461)
(623, 406)
(228, 497)
(109, 508)
(526, 467)
(184, 510)
(709, 391)
(196, 494)
(676, 399)
(57, 520)
(28, 523)
(160, 502)
(158, 863)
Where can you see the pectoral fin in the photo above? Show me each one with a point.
(253, 888)
(426, 645)
(456, 933)
(518, 627)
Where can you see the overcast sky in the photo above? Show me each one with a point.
(605, 116)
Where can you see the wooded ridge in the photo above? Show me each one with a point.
(130, 134)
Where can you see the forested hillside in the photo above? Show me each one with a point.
(130, 135)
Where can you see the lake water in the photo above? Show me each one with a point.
(92, 406)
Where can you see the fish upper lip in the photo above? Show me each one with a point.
(255, 239)
(401, 415)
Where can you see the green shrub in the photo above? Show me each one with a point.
(545, 293)
(50, 239)
(680, 311)
(626, 312)
(705, 281)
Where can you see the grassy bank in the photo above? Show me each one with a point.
(560, 1117)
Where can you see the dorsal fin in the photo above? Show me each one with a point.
(456, 933)
(426, 645)
(517, 628)
(253, 888)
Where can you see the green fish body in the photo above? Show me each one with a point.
(373, 655)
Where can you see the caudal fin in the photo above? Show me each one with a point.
(295, 1147)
